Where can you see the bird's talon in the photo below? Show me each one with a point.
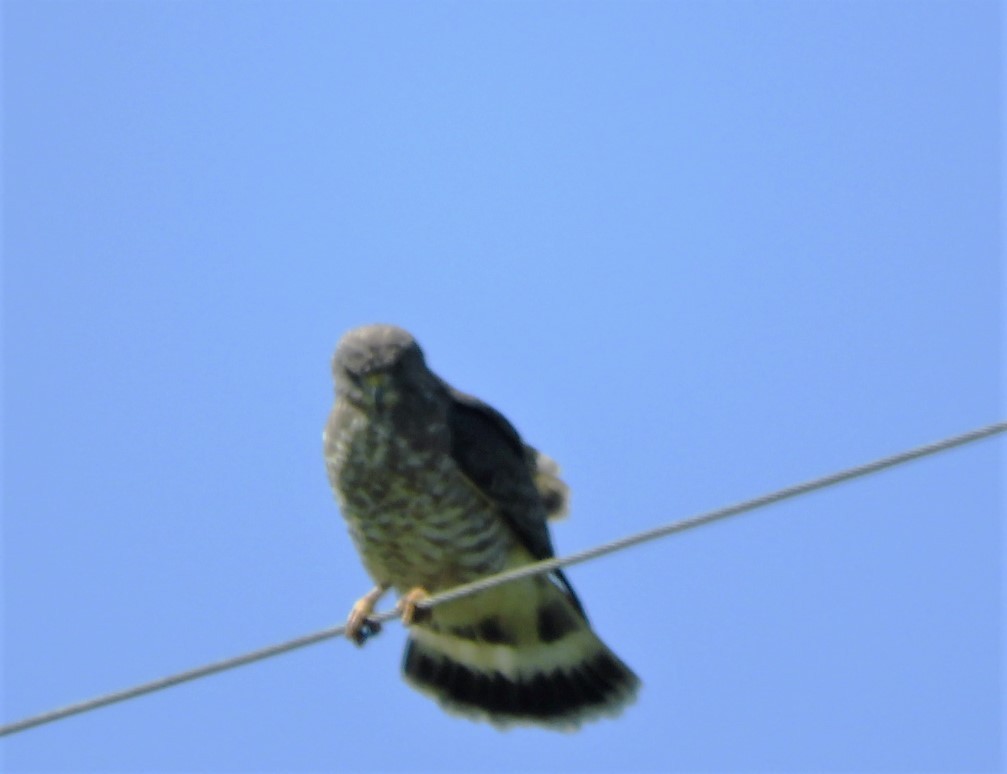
(409, 609)
(359, 626)
(365, 631)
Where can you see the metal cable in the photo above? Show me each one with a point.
(525, 571)
(546, 565)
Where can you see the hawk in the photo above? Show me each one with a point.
(438, 489)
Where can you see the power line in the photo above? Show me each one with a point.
(536, 568)
(710, 516)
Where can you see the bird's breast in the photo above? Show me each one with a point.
(415, 518)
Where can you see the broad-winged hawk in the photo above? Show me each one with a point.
(438, 489)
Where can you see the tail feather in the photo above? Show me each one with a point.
(562, 698)
(523, 677)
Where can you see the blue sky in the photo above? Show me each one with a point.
(695, 251)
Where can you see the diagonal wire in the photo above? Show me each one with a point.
(537, 568)
(547, 565)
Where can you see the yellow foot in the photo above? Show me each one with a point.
(358, 627)
(408, 606)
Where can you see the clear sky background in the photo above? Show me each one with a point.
(695, 251)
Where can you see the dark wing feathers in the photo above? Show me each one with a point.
(493, 457)
(491, 454)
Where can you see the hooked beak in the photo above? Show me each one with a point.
(375, 384)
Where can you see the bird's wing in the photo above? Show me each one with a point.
(491, 454)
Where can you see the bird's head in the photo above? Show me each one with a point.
(374, 364)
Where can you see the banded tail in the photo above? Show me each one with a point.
(533, 660)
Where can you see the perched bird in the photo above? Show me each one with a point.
(438, 489)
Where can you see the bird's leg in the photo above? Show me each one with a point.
(408, 606)
(358, 627)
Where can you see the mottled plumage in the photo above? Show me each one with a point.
(438, 489)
